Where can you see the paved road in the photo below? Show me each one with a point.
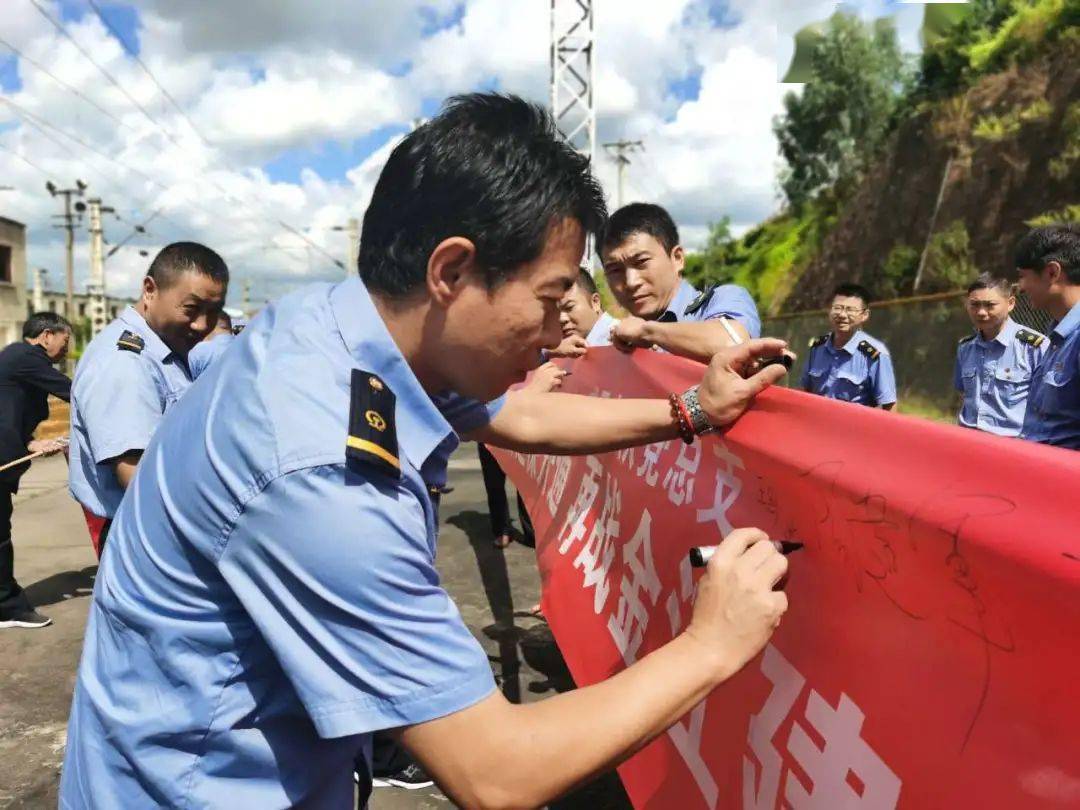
(54, 562)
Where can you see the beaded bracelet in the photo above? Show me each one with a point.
(682, 418)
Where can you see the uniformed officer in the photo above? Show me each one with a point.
(848, 364)
(211, 346)
(1048, 260)
(643, 263)
(269, 597)
(134, 371)
(994, 364)
(27, 377)
(581, 313)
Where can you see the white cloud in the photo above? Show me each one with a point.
(262, 77)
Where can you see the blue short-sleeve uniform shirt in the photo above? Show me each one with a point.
(860, 371)
(994, 376)
(600, 334)
(118, 397)
(721, 301)
(204, 354)
(265, 604)
(1053, 412)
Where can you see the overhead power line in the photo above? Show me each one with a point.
(59, 81)
(134, 55)
(29, 163)
(112, 80)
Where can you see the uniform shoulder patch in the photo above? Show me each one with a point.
(701, 300)
(372, 442)
(968, 338)
(1032, 339)
(818, 341)
(866, 348)
(131, 342)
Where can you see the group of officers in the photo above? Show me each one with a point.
(1012, 380)
(271, 599)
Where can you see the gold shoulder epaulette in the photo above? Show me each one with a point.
(866, 348)
(372, 441)
(700, 301)
(1030, 338)
(131, 342)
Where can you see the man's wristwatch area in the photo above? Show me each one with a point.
(687, 412)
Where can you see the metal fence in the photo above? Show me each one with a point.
(922, 334)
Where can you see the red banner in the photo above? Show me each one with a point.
(931, 653)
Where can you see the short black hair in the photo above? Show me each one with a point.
(44, 322)
(226, 319)
(1051, 243)
(489, 167)
(184, 257)
(640, 218)
(849, 290)
(587, 282)
(988, 281)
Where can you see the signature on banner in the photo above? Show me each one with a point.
(616, 562)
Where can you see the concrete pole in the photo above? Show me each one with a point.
(96, 285)
(69, 256)
(353, 228)
(39, 289)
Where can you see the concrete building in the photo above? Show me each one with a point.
(54, 301)
(12, 280)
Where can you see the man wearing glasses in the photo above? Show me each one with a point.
(846, 363)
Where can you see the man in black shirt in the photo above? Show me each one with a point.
(27, 377)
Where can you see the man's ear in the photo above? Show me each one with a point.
(1054, 272)
(678, 258)
(449, 268)
(596, 303)
(149, 289)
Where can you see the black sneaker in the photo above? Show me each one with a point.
(411, 777)
(23, 617)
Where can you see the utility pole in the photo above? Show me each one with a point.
(573, 78)
(69, 225)
(573, 73)
(39, 289)
(619, 151)
(245, 304)
(95, 287)
(352, 228)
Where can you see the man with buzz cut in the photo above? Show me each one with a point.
(643, 263)
(581, 313)
(846, 363)
(134, 371)
(1048, 263)
(995, 362)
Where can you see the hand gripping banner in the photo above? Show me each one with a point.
(930, 657)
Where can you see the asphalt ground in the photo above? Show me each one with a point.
(54, 562)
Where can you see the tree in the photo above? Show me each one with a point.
(830, 133)
(715, 264)
(945, 65)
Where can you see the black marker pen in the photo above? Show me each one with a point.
(700, 555)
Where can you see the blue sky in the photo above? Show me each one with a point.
(316, 89)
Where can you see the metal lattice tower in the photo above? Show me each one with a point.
(573, 73)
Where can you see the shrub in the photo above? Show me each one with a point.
(948, 259)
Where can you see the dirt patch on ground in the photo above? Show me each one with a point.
(58, 423)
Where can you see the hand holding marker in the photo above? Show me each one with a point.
(785, 359)
(700, 555)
